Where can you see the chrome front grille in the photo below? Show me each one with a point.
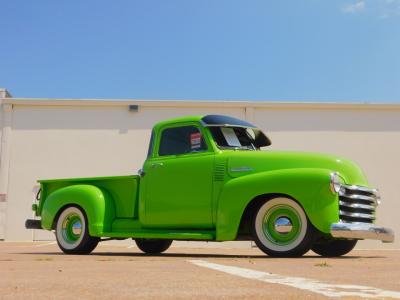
(357, 204)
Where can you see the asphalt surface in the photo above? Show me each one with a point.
(121, 271)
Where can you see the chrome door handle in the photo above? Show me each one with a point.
(156, 165)
(141, 172)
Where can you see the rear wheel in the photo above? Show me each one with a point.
(333, 248)
(281, 228)
(153, 246)
(72, 232)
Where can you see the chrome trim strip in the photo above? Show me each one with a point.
(356, 215)
(362, 231)
(360, 197)
(356, 205)
(228, 125)
(362, 189)
(241, 169)
(225, 125)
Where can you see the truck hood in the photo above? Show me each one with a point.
(242, 163)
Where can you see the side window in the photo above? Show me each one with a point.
(180, 140)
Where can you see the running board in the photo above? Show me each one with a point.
(163, 234)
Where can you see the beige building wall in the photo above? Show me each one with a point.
(3, 124)
(369, 137)
(3, 206)
(76, 138)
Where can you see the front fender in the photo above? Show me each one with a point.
(96, 203)
(310, 187)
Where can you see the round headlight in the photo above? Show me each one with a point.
(335, 182)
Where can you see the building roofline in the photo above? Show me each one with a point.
(4, 93)
(202, 103)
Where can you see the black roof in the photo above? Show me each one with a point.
(218, 120)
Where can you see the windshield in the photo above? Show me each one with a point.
(234, 138)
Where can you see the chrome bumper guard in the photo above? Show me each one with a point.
(362, 231)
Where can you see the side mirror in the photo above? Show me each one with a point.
(260, 139)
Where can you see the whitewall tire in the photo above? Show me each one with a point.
(281, 228)
(72, 232)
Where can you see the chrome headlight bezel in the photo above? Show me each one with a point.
(335, 182)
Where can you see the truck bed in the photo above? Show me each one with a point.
(122, 189)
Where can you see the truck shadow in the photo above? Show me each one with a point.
(198, 255)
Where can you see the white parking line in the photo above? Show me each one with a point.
(326, 289)
(43, 245)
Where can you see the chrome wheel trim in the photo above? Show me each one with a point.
(259, 222)
(77, 228)
(283, 225)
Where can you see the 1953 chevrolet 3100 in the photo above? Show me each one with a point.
(206, 179)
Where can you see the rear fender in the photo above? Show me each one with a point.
(309, 187)
(96, 203)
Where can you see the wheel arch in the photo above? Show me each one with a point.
(96, 204)
(308, 187)
(61, 209)
(252, 207)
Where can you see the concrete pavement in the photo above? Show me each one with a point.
(121, 271)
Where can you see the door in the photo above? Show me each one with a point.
(178, 181)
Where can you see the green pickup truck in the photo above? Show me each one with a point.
(206, 179)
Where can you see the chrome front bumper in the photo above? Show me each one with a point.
(362, 231)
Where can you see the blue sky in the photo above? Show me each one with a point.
(311, 50)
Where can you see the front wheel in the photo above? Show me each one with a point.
(333, 248)
(72, 232)
(282, 229)
(153, 246)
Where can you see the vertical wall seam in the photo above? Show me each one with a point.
(5, 158)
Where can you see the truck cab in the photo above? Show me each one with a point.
(211, 178)
(183, 163)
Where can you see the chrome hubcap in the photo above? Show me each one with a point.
(77, 228)
(283, 225)
(72, 228)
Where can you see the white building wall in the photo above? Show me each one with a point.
(68, 138)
